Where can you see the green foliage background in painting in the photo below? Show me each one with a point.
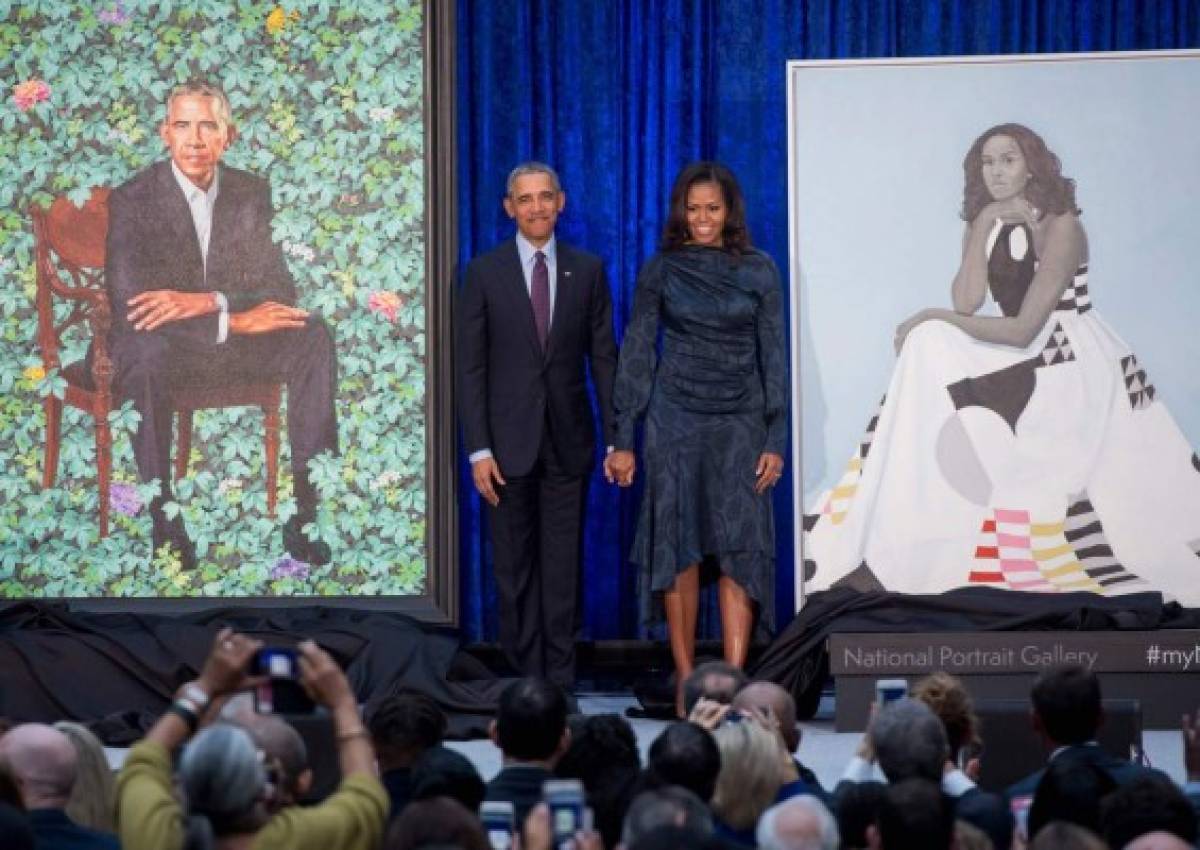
(327, 97)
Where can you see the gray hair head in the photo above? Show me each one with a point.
(203, 88)
(666, 806)
(223, 779)
(798, 823)
(531, 167)
(910, 741)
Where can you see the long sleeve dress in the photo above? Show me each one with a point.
(713, 402)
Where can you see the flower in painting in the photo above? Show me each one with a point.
(390, 478)
(28, 94)
(125, 498)
(33, 374)
(385, 304)
(381, 113)
(289, 567)
(278, 19)
(115, 14)
(229, 485)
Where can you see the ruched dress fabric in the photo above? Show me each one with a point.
(1054, 467)
(713, 402)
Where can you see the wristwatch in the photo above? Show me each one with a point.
(196, 695)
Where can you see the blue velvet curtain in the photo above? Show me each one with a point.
(619, 94)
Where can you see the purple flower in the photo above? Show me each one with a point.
(289, 567)
(125, 498)
(115, 14)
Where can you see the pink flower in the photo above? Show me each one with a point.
(116, 15)
(29, 93)
(385, 303)
(125, 498)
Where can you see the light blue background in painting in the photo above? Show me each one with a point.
(877, 182)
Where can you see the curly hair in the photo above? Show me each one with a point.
(1047, 189)
(949, 700)
(735, 237)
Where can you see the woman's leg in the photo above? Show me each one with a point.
(737, 618)
(682, 602)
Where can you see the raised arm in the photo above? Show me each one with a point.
(1064, 248)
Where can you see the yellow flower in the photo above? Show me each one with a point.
(33, 374)
(276, 21)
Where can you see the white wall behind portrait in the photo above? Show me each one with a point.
(877, 187)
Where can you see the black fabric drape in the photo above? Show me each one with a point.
(117, 672)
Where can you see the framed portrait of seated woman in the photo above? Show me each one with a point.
(994, 286)
(321, 202)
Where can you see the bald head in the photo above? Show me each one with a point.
(770, 696)
(42, 760)
(799, 823)
(1158, 841)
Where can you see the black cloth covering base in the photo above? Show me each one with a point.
(117, 672)
(798, 658)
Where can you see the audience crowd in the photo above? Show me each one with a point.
(214, 774)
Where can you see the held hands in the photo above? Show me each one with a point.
(266, 317)
(159, 307)
(619, 467)
(767, 471)
(905, 328)
(487, 475)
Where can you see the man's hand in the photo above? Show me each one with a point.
(487, 475)
(619, 467)
(266, 317)
(158, 307)
(708, 713)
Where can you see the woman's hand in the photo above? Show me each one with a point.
(905, 328)
(768, 471)
(224, 670)
(1016, 210)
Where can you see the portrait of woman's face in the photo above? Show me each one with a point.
(706, 212)
(1004, 170)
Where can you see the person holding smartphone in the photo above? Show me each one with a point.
(222, 775)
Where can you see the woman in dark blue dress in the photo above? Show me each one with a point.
(715, 407)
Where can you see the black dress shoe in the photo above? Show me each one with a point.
(173, 534)
(301, 547)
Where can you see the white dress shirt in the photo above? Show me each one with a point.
(201, 203)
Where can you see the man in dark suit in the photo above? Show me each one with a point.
(43, 762)
(531, 731)
(1067, 712)
(533, 316)
(201, 294)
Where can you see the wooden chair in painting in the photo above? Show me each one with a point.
(70, 245)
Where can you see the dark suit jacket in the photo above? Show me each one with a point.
(521, 785)
(1121, 770)
(53, 830)
(152, 244)
(507, 387)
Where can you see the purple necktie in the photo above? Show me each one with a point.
(539, 294)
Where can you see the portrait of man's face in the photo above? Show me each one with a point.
(534, 204)
(195, 138)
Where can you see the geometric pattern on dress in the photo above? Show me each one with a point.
(1137, 385)
(838, 502)
(1069, 553)
(1195, 461)
(1057, 348)
(1194, 545)
(1075, 297)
